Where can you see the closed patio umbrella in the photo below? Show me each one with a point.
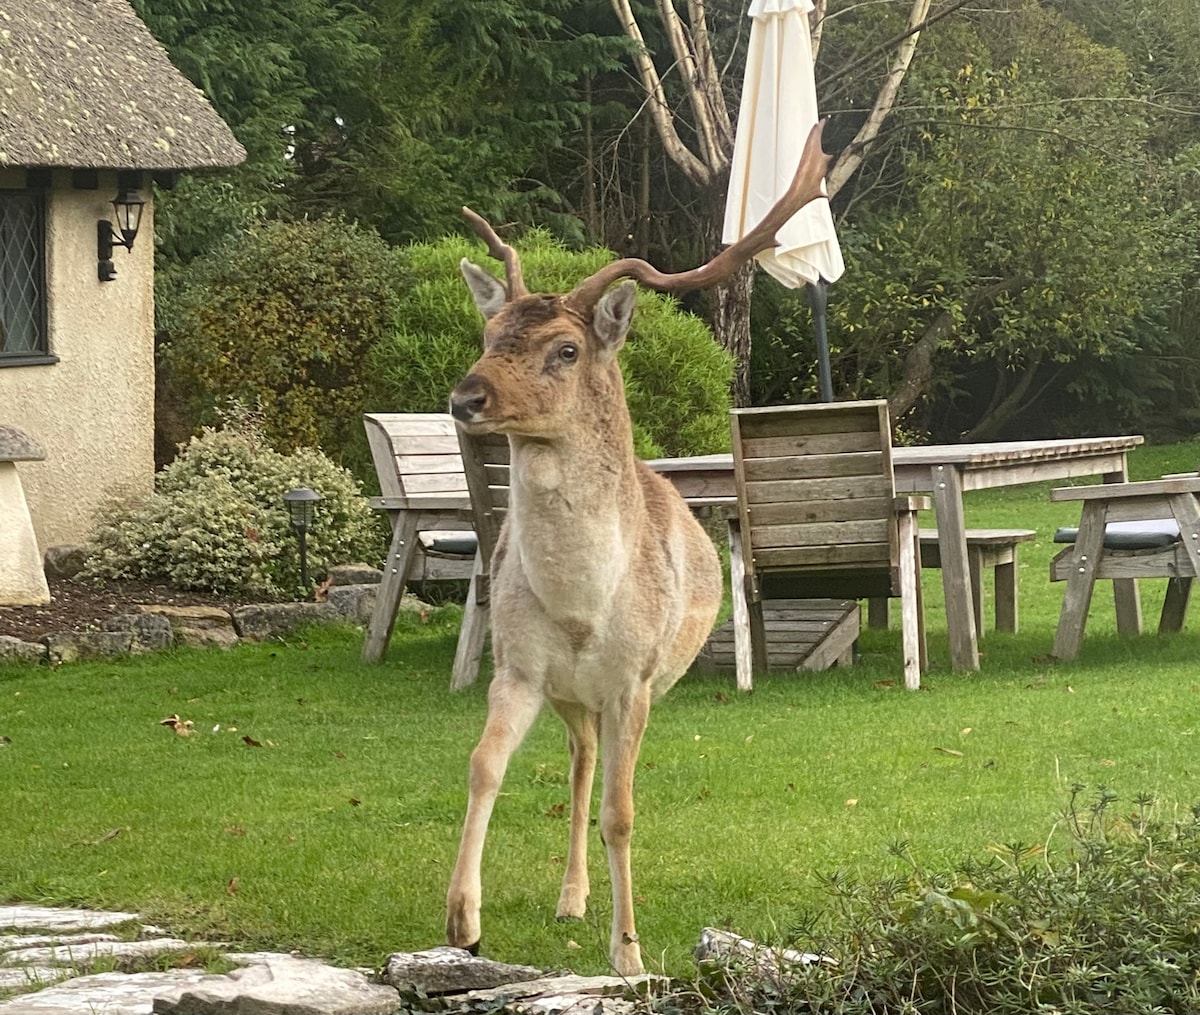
(779, 107)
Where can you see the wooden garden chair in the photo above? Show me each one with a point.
(819, 518)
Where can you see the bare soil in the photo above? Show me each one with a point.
(80, 606)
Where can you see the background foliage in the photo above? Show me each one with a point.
(1021, 240)
(677, 379)
(216, 520)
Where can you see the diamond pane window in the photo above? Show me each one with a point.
(22, 275)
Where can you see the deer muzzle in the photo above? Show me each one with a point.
(471, 398)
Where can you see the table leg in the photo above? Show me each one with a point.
(956, 577)
(1125, 590)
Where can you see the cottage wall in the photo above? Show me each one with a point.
(93, 410)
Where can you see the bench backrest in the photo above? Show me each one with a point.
(816, 500)
(416, 456)
(485, 461)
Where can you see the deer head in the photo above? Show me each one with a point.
(539, 350)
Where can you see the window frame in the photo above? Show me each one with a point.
(42, 355)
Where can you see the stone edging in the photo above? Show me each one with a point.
(349, 599)
(44, 951)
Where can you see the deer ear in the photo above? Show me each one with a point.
(614, 311)
(487, 291)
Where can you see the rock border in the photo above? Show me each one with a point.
(349, 599)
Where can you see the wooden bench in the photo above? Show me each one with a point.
(994, 548)
(424, 492)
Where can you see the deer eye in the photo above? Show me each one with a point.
(568, 352)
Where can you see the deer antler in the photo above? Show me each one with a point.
(501, 251)
(805, 187)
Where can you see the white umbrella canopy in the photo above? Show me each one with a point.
(779, 107)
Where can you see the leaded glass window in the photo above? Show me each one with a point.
(22, 275)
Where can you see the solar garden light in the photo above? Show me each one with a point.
(302, 506)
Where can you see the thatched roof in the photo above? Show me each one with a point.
(83, 84)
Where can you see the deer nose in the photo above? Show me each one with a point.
(469, 398)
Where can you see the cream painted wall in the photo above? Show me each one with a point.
(93, 410)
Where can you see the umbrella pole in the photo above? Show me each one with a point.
(817, 293)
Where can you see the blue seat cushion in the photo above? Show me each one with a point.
(1151, 534)
(451, 544)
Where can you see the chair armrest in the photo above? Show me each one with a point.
(1115, 491)
(910, 502)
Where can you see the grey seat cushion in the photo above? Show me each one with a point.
(1140, 535)
(450, 544)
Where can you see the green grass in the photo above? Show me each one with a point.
(337, 835)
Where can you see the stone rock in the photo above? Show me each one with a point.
(445, 970)
(14, 650)
(77, 953)
(721, 948)
(197, 626)
(354, 602)
(13, 942)
(103, 994)
(64, 561)
(552, 995)
(282, 986)
(62, 921)
(264, 621)
(75, 646)
(151, 631)
(354, 574)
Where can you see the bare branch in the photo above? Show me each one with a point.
(694, 168)
(856, 152)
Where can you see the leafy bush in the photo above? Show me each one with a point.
(1111, 926)
(677, 378)
(216, 520)
(282, 317)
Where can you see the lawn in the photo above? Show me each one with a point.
(318, 801)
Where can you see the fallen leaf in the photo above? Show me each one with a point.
(339, 754)
(181, 726)
(1070, 689)
(949, 750)
(235, 830)
(249, 741)
(5, 741)
(883, 685)
(354, 802)
(965, 730)
(573, 944)
(557, 810)
(232, 887)
(1108, 762)
(720, 698)
(852, 802)
(270, 743)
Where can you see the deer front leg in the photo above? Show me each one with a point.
(512, 706)
(582, 737)
(621, 729)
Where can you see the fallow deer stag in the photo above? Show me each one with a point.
(603, 587)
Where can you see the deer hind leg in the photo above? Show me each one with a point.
(583, 734)
(512, 706)
(621, 729)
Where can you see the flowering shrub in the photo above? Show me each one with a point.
(216, 520)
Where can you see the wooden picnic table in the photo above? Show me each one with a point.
(946, 472)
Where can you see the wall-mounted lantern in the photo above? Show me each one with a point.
(128, 205)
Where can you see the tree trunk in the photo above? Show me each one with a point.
(729, 318)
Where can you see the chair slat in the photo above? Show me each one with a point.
(809, 444)
(805, 490)
(802, 512)
(873, 555)
(823, 534)
(864, 463)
